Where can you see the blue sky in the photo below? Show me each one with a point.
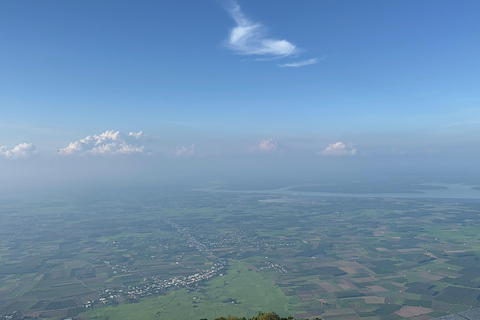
(223, 77)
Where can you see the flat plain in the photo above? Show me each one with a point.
(169, 254)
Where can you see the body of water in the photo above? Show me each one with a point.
(448, 191)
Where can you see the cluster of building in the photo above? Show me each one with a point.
(116, 268)
(155, 285)
(278, 267)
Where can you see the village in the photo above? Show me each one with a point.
(155, 285)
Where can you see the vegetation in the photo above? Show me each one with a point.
(260, 316)
(201, 255)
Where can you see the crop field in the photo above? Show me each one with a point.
(203, 254)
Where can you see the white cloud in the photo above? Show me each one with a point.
(22, 150)
(250, 38)
(137, 135)
(109, 142)
(339, 149)
(186, 151)
(268, 145)
(299, 63)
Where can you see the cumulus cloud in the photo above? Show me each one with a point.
(250, 38)
(137, 135)
(268, 145)
(110, 142)
(22, 150)
(299, 63)
(339, 149)
(186, 151)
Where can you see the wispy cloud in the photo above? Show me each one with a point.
(339, 149)
(461, 123)
(250, 38)
(22, 150)
(299, 63)
(108, 143)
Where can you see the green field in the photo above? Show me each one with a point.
(250, 291)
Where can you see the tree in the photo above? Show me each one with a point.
(268, 316)
(260, 316)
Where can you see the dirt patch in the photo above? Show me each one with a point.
(306, 295)
(223, 249)
(410, 250)
(39, 277)
(344, 312)
(348, 270)
(441, 306)
(400, 285)
(54, 313)
(350, 264)
(327, 286)
(344, 284)
(410, 312)
(366, 279)
(374, 299)
(424, 317)
(430, 276)
(377, 289)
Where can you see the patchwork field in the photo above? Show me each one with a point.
(189, 255)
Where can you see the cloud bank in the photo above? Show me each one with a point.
(339, 149)
(249, 38)
(22, 150)
(108, 143)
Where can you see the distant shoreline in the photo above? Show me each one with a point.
(439, 191)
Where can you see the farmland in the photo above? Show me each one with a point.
(157, 253)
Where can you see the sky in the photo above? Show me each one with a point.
(162, 89)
